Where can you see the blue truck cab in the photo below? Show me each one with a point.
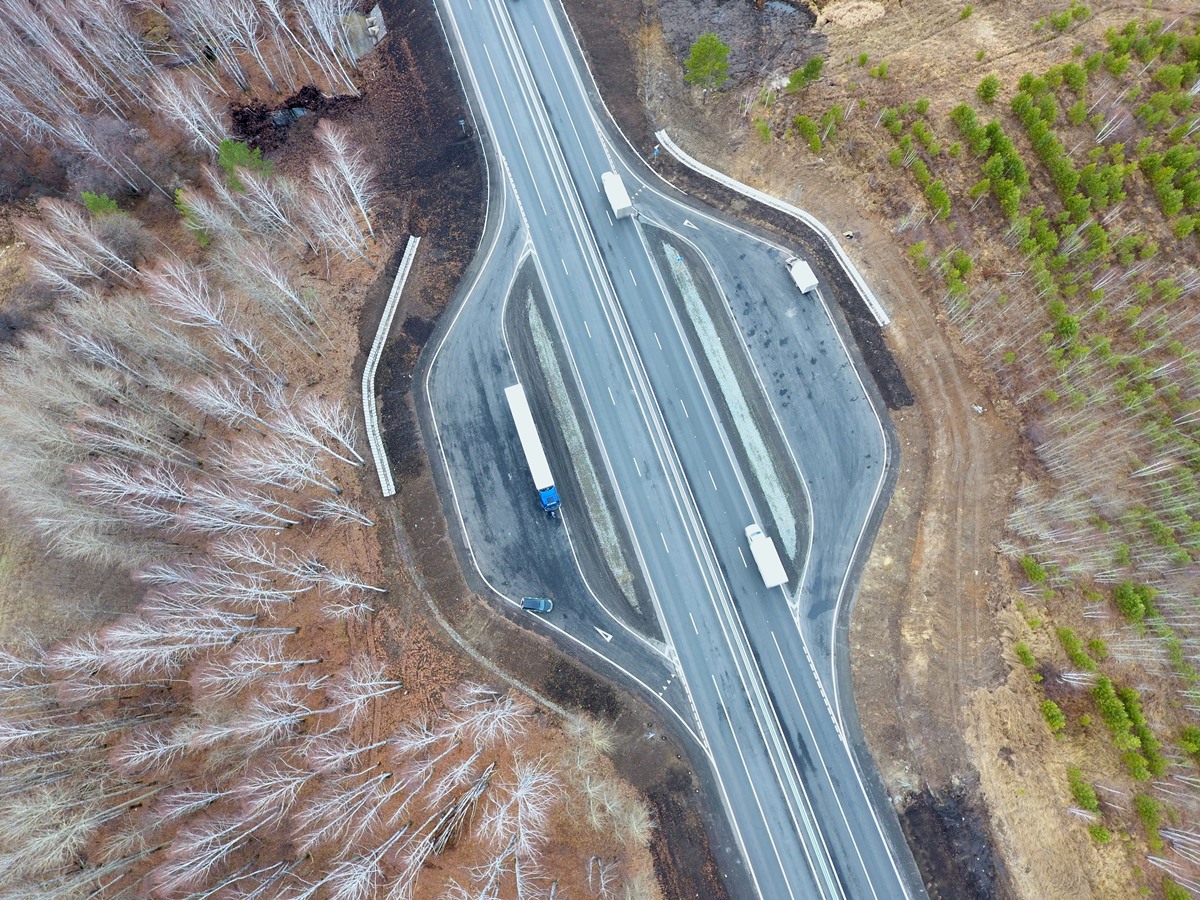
(550, 501)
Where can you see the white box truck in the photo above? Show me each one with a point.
(531, 444)
(618, 197)
(802, 274)
(770, 566)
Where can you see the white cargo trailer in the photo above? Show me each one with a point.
(535, 456)
(802, 274)
(618, 197)
(770, 566)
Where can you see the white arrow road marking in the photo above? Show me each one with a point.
(604, 634)
(687, 224)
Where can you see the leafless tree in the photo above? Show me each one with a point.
(522, 809)
(271, 790)
(206, 26)
(188, 105)
(334, 752)
(24, 70)
(68, 220)
(112, 483)
(211, 220)
(344, 583)
(338, 608)
(603, 878)
(83, 134)
(279, 463)
(66, 249)
(99, 350)
(198, 850)
(23, 663)
(489, 716)
(231, 404)
(321, 24)
(302, 305)
(308, 419)
(272, 203)
(110, 44)
(339, 510)
(182, 803)
(128, 435)
(345, 807)
(247, 352)
(225, 676)
(244, 23)
(153, 749)
(347, 160)
(249, 553)
(22, 119)
(361, 682)
(232, 587)
(34, 28)
(331, 215)
(126, 335)
(414, 738)
(297, 311)
(216, 507)
(186, 295)
(56, 261)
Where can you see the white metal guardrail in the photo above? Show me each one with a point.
(370, 410)
(852, 272)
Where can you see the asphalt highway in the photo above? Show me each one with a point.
(749, 671)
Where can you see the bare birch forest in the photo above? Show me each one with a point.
(222, 740)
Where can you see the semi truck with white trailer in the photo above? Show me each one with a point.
(802, 274)
(535, 456)
(770, 566)
(618, 197)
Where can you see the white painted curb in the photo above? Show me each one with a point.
(859, 282)
(370, 410)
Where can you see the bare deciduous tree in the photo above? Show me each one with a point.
(186, 294)
(488, 716)
(357, 686)
(225, 676)
(272, 203)
(270, 792)
(227, 402)
(338, 509)
(347, 160)
(307, 419)
(188, 105)
(281, 464)
(112, 483)
(332, 217)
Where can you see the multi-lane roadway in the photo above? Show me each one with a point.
(749, 672)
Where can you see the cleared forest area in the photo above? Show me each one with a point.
(176, 418)
(1048, 209)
